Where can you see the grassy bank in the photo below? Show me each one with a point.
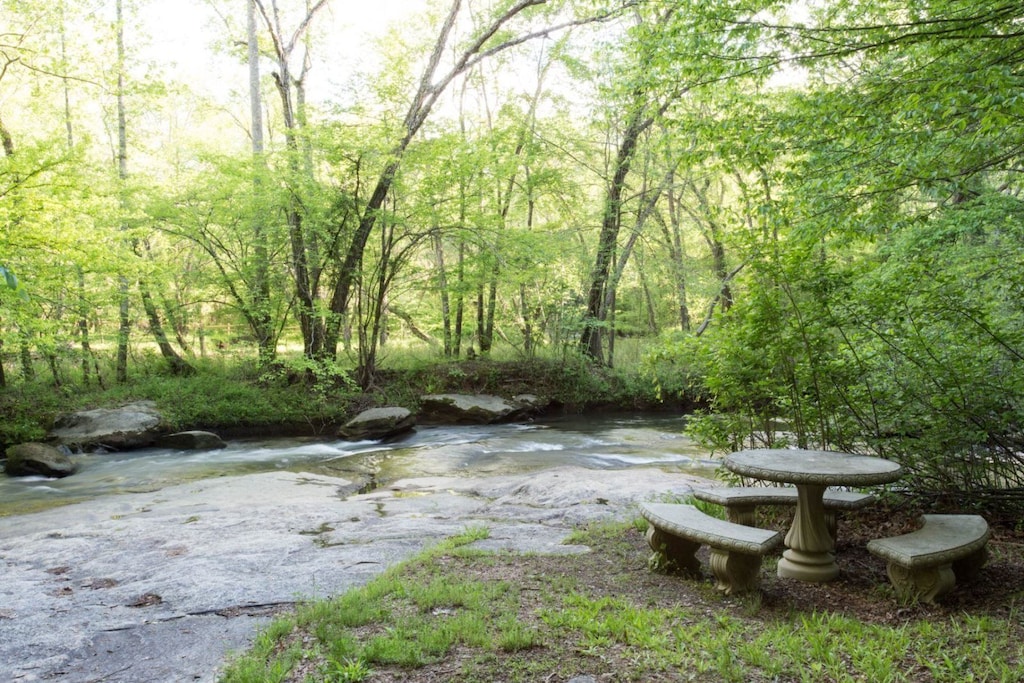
(236, 398)
(455, 613)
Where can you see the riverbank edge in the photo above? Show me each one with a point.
(237, 402)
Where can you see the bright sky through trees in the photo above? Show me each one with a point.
(184, 36)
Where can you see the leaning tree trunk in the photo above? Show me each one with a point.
(591, 338)
(433, 83)
(177, 364)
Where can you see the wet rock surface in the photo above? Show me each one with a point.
(463, 409)
(192, 440)
(166, 585)
(28, 459)
(134, 425)
(378, 423)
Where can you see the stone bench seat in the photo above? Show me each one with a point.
(677, 531)
(926, 564)
(741, 502)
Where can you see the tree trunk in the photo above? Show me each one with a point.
(304, 256)
(460, 300)
(83, 331)
(432, 85)
(176, 363)
(590, 339)
(442, 285)
(124, 320)
(673, 231)
(259, 304)
(487, 336)
(28, 370)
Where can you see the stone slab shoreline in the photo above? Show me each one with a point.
(166, 585)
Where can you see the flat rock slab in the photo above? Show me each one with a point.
(163, 586)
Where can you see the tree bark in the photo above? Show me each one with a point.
(176, 363)
(304, 251)
(442, 285)
(590, 339)
(259, 296)
(124, 319)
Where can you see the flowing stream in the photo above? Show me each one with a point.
(602, 442)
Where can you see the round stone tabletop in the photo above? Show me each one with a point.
(825, 468)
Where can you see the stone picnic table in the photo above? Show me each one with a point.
(809, 555)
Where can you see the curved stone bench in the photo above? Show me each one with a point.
(741, 502)
(926, 564)
(677, 531)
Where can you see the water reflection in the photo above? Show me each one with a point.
(591, 442)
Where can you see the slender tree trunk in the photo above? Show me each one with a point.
(88, 358)
(652, 312)
(480, 307)
(674, 241)
(460, 300)
(83, 330)
(262, 324)
(305, 266)
(28, 370)
(177, 364)
(432, 85)
(124, 319)
(305, 290)
(442, 285)
(590, 339)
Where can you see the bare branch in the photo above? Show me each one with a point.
(305, 24)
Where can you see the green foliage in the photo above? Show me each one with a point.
(7, 275)
(854, 239)
(214, 397)
(346, 671)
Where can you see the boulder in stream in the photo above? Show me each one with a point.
(193, 440)
(135, 425)
(470, 409)
(378, 423)
(38, 459)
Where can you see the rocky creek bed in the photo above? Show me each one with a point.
(165, 585)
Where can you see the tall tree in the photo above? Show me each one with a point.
(305, 242)
(491, 38)
(177, 364)
(258, 311)
(644, 104)
(121, 158)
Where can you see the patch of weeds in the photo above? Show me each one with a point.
(609, 536)
(345, 671)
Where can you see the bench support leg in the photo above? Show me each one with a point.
(672, 554)
(923, 583)
(735, 572)
(742, 514)
(832, 524)
(968, 567)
